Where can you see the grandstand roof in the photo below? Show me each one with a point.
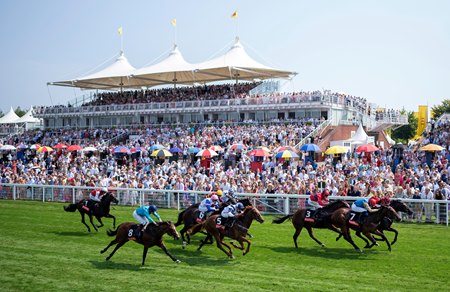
(173, 69)
(9, 117)
(237, 64)
(112, 77)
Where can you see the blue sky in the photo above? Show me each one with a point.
(394, 53)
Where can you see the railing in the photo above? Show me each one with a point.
(305, 100)
(314, 132)
(435, 210)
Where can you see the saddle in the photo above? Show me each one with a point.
(310, 215)
(135, 232)
(89, 206)
(355, 218)
(200, 216)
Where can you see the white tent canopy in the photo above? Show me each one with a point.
(360, 135)
(9, 118)
(389, 139)
(27, 118)
(173, 69)
(237, 64)
(113, 76)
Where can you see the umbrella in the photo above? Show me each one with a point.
(282, 148)
(207, 153)
(216, 148)
(156, 147)
(45, 149)
(137, 149)
(431, 148)
(337, 149)
(193, 150)
(259, 153)
(286, 154)
(175, 150)
(74, 148)
(263, 148)
(7, 147)
(367, 148)
(89, 149)
(121, 149)
(310, 148)
(238, 146)
(60, 146)
(161, 153)
(35, 147)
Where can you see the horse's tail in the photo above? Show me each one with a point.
(70, 208)
(282, 219)
(112, 232)
(180, 218)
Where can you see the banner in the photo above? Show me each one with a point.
(422, 119)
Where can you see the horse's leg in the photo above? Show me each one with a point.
(358, 233)
(296, 235)
(99, 219)
(182, 233)
(370, 237)
(144, 254)
(119, 245)
(109, 245)
(311, 234)
(92, 222)
(163, 247)
(346, 233)
(84, 222)
(205, 241)
(114, 219)
(378, 232)
(395, 236)
(220, 245)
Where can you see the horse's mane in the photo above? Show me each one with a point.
(333, 205)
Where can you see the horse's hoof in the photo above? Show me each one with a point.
(102, 251)
(358, 250)
(178, 261)
(183, 245)
(107, 259)
(232, 257)
(322, 245)
(376, 244)
(367, 246)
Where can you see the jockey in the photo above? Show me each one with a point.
(228, 197)
(318, 200)
(96, 195)
(142, 215)
(208, 206)
(229, 214)
(364, 206)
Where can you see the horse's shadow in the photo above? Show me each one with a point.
(198, 258)
(72, 233)
(108, 265)
(326, 252)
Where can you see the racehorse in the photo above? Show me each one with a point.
(298, 220)
(340, 219)
(238, 231)
(188, 218)
(99, 210)
(151, 236)
(386, 223)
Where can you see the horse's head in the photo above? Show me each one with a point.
(400, 206)
(109, 197)
(254, 214)
(390, 213)
(170, 229)
(246, 202)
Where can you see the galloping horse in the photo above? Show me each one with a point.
(340, 219)
(298, 220)
(237, 232)
(99, 210)
(188, 218)
(152, 236)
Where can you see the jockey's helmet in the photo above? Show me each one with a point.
(105, 190)
(219, 193)
(214, 198)
(385, 201)
(152, 208)
(240, 206)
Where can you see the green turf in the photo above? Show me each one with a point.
(43, 248)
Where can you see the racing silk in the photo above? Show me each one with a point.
(319, 198)
(143, 211)
(360, 202)
(95, 195)
(229, 211)
(206, 205)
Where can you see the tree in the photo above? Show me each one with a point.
(406, 132)
(438, 110)
(20, 112)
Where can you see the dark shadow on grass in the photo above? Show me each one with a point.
(111, 265)
(325, 252)
(72, 233)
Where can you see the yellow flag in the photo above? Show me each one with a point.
(120, 31)
(174, 22)
(235, 14)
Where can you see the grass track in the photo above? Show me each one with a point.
(43, 248)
